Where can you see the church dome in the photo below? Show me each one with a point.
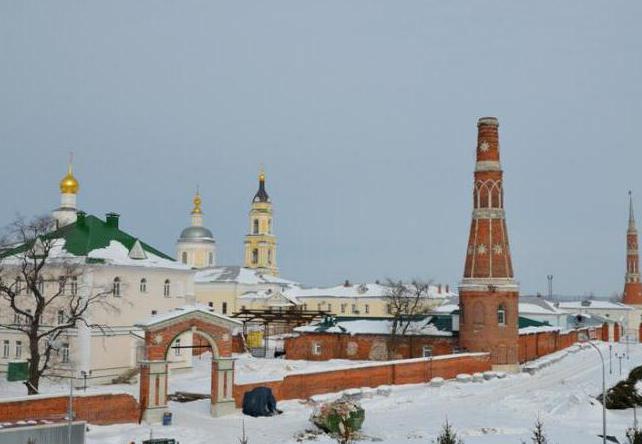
(193, 233)
(69, 184)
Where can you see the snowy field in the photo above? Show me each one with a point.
(498, 411)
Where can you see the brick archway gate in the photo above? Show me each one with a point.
(160, 333)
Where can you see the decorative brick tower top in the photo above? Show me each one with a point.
(488, 294)
(632, 285)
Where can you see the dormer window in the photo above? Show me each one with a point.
(143, 285)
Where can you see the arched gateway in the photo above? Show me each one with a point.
(160, 333)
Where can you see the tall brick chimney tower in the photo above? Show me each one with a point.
(632, 286)
(488, 294)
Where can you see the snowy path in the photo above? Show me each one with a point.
(500, 411)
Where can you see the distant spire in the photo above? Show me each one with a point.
(631, 215)
(197, 202)
(69, 184)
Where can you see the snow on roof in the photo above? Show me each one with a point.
(599, 304)
(117, 254)
(182, 311)
(446, 308)
(366, 290)
(239, 275)
(272, 296)
(373, 326)
(540, 329)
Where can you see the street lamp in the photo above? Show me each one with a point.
(603, 391)
(620, 356)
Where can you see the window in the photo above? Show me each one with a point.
(269, 226)
(210, 304)
(319, 307)
(154, 312)
(5, 349)
(305, 307)
(16, 319)
(224, 308)
(367, 308)
(166, 288)
(143, 285)
(18, 285)
(316, 349)
(501, 315)
(255, 229)
(270, 257)
(18, 349)
(116, 287)
(28, 318)
(184, 257)
(343, 308)
(426, 351)
(61, 317)
(64, 351)
(211, 258)
(255, 256)
(177, 347)
(329, 307)
(354, 308)
(74, 286)
(61, 285)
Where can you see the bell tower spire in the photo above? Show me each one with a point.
(260, 242)
(488, 293)
(632, 286)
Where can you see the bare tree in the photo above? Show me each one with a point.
(406, 302)
(40, 292)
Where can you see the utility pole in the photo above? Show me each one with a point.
(610, 359)
(597, 349)
(550, 286)
(70, 413)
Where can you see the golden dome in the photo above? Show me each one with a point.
(69, 184)
(197, 203)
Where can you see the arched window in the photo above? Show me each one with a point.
(501, 314)
(184, 257)
(270, 257)
(116, 287)
(269, 226)
(224, 308)
(211, 258)
(255, 229)
(255, 256)
(166, 288)
(73, 286)
(143, 285)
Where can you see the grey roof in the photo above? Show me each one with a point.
(196, 234)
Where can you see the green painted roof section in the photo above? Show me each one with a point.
(91, 233)
(526, 322)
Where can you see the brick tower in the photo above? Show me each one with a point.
(488, 294)
(632, 286)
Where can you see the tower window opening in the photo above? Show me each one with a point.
(166, 288)
(255, 229)
(184, 257)
(116, 287)
(501, 315)
(255, 256)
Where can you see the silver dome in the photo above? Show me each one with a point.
(196, 234)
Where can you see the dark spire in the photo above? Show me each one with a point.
(261, 195)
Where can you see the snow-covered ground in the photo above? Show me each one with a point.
(498, 411)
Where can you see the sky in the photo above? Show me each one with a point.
(363, 112)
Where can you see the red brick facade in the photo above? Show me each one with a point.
(95, 409)
(304, 385)
(363, 347)
(488, 295)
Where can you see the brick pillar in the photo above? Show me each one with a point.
(153, 390)
(222, 386)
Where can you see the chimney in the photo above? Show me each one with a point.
(447, 288)
(111, 219)
(439, 288)
(346, 283)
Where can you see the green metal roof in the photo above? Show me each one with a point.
(90, 233)
(526, 322)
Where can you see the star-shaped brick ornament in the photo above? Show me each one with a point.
(481, 249)
(484, 146)
(497, 249)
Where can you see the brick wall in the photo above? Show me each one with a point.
(96, 409)
(411, 371)
(535, 345)
(363, 346)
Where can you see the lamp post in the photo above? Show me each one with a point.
(603, 391)
(620, 356)
(610, 359)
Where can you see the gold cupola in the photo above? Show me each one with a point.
(197, 203)
(69, 184)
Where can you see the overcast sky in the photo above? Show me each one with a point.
(363, 111)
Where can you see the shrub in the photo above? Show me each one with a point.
(342, 419)
(448, 436)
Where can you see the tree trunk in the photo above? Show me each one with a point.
(34, 365)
